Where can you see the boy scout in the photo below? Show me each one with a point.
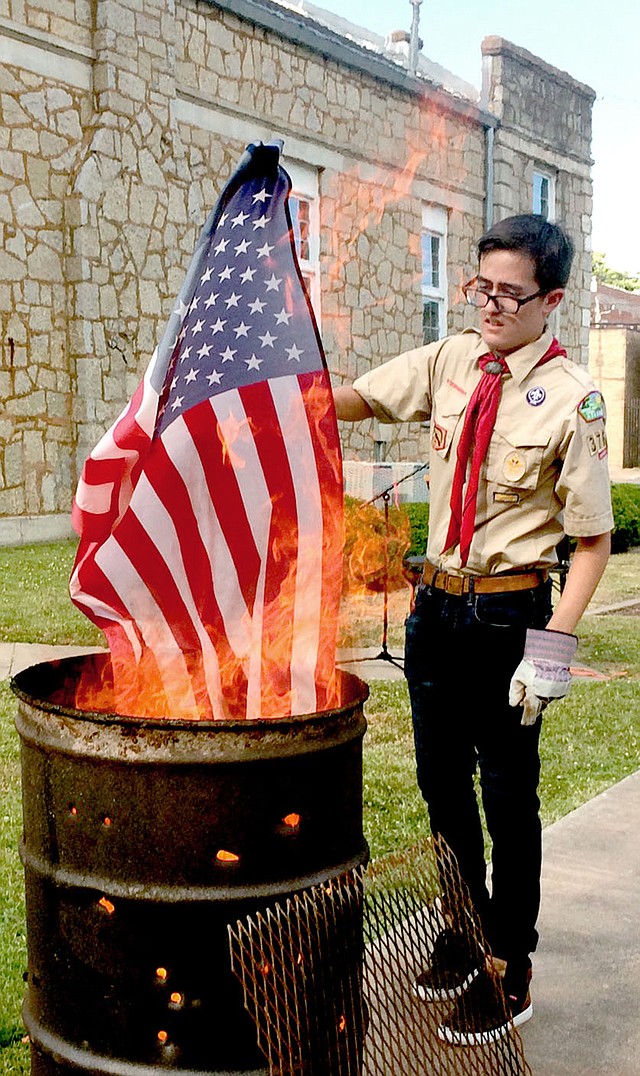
(518, 459)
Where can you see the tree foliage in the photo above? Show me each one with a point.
(617, 278)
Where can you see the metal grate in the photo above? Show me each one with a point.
(328, 977)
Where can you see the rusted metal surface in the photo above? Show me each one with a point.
(142, 840)
(322, 1010)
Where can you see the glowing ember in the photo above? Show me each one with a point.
(227, 857)
(106, 821)
(176, 998)
(292, 820)
(162, 974)
(342, 1023)
(73, 810)
(163, 1036)
(266, 969)
(107, 905)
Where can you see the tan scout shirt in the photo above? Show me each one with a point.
(546, 469)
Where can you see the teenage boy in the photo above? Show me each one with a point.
(518, 460)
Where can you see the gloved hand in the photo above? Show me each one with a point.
(543, 674)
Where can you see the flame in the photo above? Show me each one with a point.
(107, 905)
(227, 857)
(106, 821)
(266, 969)
(163, 1036)
(342, 1023)
(176, 998)
(292, 820)
(73, 810)
(162, 974)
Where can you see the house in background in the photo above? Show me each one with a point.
(121, 123)
(614, 364)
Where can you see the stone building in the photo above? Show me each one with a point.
(614, 364)
(121, 121)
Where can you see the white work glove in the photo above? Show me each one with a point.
(543, 674)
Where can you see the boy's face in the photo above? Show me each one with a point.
(508, 272)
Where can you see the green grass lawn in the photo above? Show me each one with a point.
(590, 739)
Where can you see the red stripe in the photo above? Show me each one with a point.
(323, 428)
(279, 596)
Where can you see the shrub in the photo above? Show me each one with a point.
(419, 519)
(625, 498)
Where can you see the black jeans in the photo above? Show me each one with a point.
(460, 654)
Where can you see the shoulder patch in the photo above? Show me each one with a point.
(591, 407)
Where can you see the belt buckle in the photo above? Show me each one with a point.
(454, 584)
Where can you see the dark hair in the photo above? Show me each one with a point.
(547, 244)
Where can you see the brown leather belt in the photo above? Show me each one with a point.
(482, 584)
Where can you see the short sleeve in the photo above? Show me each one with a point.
(583, 485)
(400, 390)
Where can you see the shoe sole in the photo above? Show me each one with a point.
(483, 1038)
(425, 993)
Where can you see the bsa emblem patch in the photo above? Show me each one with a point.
(591, 407)
(438, 437)
(536, 396)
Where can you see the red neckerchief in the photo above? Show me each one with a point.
(479, 420)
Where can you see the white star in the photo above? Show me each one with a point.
(204, 350)
(241, 330)
(227, 354)
(248, 274)
(214, 378)
(173, 384)
(211, 300)
(226, 273)
(181, 309)
(253, 363)
(267, 339)
(194, 303)
(283, 317)
(294, 353)
(257, 306)
(239, 220)
(177, 403)
(191, 376)
(198, 327)
(185, 354)
(261, 222)
(273, 283)
(206, 276)
(261, 196)
(243, 247)
(218, 326)
(221, 247)
(232, 300)
(265, 251)
(222, 220)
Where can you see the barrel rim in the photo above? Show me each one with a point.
(357, 696)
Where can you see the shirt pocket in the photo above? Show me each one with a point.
(448, 405)
(515, 460)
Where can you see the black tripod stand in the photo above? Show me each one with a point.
(384, 654)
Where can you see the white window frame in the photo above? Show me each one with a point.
(544, 174)
(434, 223)
(305, 187)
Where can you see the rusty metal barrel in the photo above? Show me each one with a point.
(142, 841)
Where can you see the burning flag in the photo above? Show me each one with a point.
(210, 514)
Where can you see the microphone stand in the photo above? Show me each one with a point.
(384, 654)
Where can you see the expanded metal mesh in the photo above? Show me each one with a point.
(329, 976)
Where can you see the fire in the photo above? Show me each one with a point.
(176, 998)
(223, 856)
(107, 905)
(292, 820)
(342, 1023)
(163, 1036)
(162, 974)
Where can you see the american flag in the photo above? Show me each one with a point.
(210, 514)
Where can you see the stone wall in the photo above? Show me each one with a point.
(545, 122)
(120, 122)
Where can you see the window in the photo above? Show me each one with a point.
(304, 208)
(544, 194)
(434, 273)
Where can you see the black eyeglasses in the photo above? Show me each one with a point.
(504, 304)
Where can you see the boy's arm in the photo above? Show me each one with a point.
(587, 565)
(350, 406)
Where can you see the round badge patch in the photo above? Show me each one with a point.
(536, 396)
(514, 465)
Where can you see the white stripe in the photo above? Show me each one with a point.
(236, 431)
(159, 525)
(225, 584)
(293, 420)
(152, 625)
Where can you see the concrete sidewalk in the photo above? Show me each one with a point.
(586, 985)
